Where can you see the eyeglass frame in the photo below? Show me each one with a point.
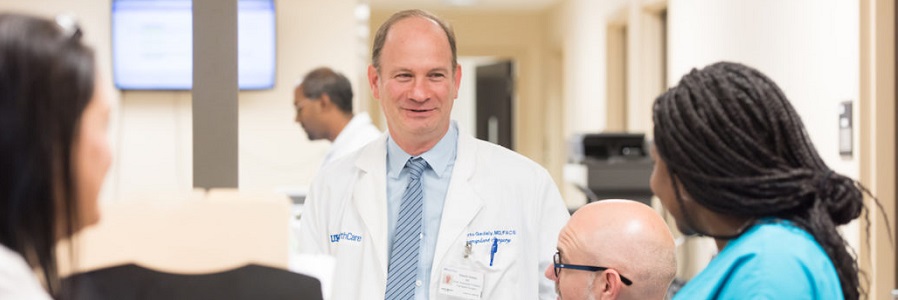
(558, 266)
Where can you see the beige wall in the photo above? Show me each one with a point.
(646, 62)
(151, 130)
(274, 150)
(577, 34)
(93, 17)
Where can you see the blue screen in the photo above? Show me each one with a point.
(152, 44)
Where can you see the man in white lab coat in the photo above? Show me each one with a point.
(323, 102)
(490, 216)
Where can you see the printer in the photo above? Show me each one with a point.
(617, 165)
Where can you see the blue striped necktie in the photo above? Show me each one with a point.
(403, 268)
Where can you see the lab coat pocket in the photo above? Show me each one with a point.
(496, 259)
(494, 256)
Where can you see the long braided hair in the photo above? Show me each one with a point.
(731, 138)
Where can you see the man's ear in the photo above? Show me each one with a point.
(373, 80)
(457, 79)
(325, 101)
(610, 287)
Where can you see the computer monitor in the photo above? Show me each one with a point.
(152, 44)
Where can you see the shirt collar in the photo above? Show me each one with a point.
(360, 119)
(437, 158)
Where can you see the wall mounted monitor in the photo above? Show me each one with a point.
(152, 44)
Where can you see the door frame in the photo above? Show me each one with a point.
(877, 144)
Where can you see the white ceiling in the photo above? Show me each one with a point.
(485, 5)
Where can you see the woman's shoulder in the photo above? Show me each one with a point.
(779, 259)
(775, 239)
(16, 279)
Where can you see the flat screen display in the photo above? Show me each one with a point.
(152, 44)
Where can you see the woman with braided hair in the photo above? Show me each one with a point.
(734, 162)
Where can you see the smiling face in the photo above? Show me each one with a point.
(416, 84)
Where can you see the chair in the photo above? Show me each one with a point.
(193, 245)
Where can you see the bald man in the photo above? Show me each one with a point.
(614, 249)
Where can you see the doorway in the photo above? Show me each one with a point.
(616, 75)
(495, 103)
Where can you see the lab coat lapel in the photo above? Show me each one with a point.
(370, 196)
(462, 202)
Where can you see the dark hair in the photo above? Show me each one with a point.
(381, 35)
(323, 80)
(46, 81)
(732, 139)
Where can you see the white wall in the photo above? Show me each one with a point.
(156, 136)
(583, 25)
(808, 47)
(274, 150)
(151, 130)
(578, 28)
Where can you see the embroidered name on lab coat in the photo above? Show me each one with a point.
(502, 236)
(345, 236)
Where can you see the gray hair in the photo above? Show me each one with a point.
(324, 80)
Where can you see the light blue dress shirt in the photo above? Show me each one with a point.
(772, 260)
(440, 160)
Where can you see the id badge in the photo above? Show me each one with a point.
(461, 283)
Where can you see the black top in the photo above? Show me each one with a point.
(136, 282)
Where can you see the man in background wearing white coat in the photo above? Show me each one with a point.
(486, 225)
(323, 102)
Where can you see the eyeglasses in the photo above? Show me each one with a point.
(559, 266)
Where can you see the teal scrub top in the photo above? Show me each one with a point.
(774, 259)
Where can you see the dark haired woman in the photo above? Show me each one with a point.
(733, 162)
(54, 152)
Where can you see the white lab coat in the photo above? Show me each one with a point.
(358, 132)
(492, 190)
